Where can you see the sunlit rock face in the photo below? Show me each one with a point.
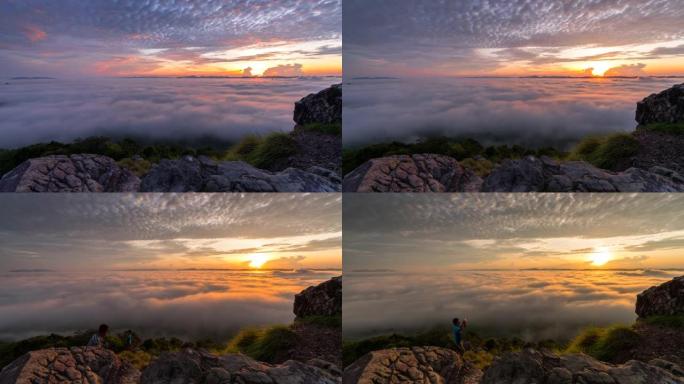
(664, 107)
(664, 299)
(532, 366)
(75, 173)
(70, 365)
(324, 299)
(324, 107)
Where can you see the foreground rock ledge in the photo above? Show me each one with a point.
(532, 366)
(75, 173)
(428, 365)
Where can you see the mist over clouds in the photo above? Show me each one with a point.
(528, 112)
(34, 111)
(534, 305)
(191, 305)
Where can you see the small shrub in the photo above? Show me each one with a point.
(275, 147)
(604, 343)
(139, 359)
(671, 128)
(671, 321)
(244, 148)
(264, 344)
(139, 167)
(481, 359)
(482, 167)
(328, 129)
(608, 152)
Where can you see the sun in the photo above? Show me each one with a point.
(257, 260)
(599, 68)
(600, 256)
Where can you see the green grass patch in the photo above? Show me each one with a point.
(458, 148)
(139, 359)
(328, 129)
(262, 151)
(604, 343)
(480, 358)
(263, 344)
(671, 128)
(669, 321)
(138, 166)
(608, 152)
(325, 321)
(481, 166)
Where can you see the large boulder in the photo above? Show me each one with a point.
(324, 299)
(664, 299)
(544, 174)
(70, 365)
(423, 365)
(535, 367)
(202, 174)
(198, 367)
(664, 107)
(74, 173)
(324, 107)
(412, 173)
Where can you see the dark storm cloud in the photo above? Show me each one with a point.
(406, 35)
(414, 230)
(97, 231)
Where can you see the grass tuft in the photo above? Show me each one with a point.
(670, 128)
(263, 152)
(328, 129)
(669, 321)
(263, 344)
(604, 343)
(608, 152)
(139, 359)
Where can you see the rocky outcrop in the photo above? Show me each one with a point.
(324, 107)
(664, 299)
(426, 365)
(324, 299)
(202, 174)
(193, 367)
(69, 365)
(412, 173)
(75, 173)
(544, 174)
(664, 107)
(532, 366)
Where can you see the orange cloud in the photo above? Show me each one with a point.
(34, 34)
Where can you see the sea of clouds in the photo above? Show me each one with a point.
(534, 305)
(33, 111)
(188, 304)
(524, 111)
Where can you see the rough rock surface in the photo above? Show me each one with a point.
(532, 366)
(664, 107)
(202, 174)
(75, 173)
(659, 149)
(414, 173)
(314, 149)
(323, 107)
(421, 365)
(544, 174)
(69, 365)
(664, 299)
(197, 367)
(324, 299)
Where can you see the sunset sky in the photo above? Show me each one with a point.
(73, 38)
(513, 38)
(166, 231)
(513, 231)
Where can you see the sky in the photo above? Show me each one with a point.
(513, 231)
(169, 231)
(73, 38)
(413, 38)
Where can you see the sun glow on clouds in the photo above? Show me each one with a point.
(600, 256)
